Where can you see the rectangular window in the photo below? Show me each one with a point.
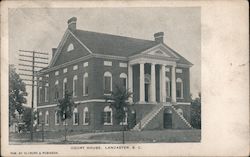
(47, 118)
(56, 73)
(75, 88)
(178, 90)
(85, 64)
(40, 94)
(107, 63)
(47, 75)
(75, 67)
(178, 70)
(46, 93)
(64, 88)
(123, 65)
(65, 70)
(86, 86)
(107, 85)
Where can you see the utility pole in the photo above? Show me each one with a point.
(36, 59)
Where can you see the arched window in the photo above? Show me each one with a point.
(40, 94)
(64, 86)
(75, 117)
(179, 88)
(57, 117)
(168, 94)
(107, 83)
(56, 90)
(70, 47)
(123, 78)
(180, 111)
(85, 84)
(107, 117)
(39, 118)
(75, 86)
(47, 118)
(46, 92)
(86, 116)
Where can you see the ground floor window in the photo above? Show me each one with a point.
(57, 118)
(47, 118)
(125, 120)
(86, 116)
(75, 117)
(107, 116)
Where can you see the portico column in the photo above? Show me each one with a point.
(142, 84)
(130, 80)
(163, 83)
(173, 81)
(152, 89)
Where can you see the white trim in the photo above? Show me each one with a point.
(178, 70)
(123, 65)
(85, 64)
(65, 70)
(80, 42)
(75, 67)
(56, 73)
(183, 103)
(70, 47)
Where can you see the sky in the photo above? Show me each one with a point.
(41, 29)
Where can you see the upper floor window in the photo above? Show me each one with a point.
(179, 88)
(107, 117)
(85, 84)
(70, 47)
(168, 93)
(65, 70)
(56, 90)
(40, 94)
(46, 92)
(56, 73)
(75, 86)
(178, 70)
(123, 78)
(107, 83)
(64, 86)
(75, 67)
(123, 65)
(107, 63)
(47, 118)
(86, 116)
(75, 117)
(85, 64)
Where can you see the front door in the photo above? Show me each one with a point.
(167, 120)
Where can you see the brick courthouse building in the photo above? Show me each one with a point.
(91, 64)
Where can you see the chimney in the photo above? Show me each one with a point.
(72, 23)
(159, 37)
(53, 52)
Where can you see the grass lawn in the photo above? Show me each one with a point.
(153, 136)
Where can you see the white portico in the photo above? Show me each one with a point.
(158, 59)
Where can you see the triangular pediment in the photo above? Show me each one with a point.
(69, 49)
(161, 51)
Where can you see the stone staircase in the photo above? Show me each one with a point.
(181, 116)
(145, 120)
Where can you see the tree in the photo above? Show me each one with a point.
(196, 112)
(17, 93)
(26, 118)
(119, 101)
(65, 106)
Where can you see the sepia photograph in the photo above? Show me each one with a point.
(124, 78)
(74, 82)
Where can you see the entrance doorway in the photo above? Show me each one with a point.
(167, 119)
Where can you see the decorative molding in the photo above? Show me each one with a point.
(75, 67)
(56, 73)
(85, 64)
(65, 70)
(123, 65)
(178, 70)
(183, 103)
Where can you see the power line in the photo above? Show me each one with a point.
(31, 58)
